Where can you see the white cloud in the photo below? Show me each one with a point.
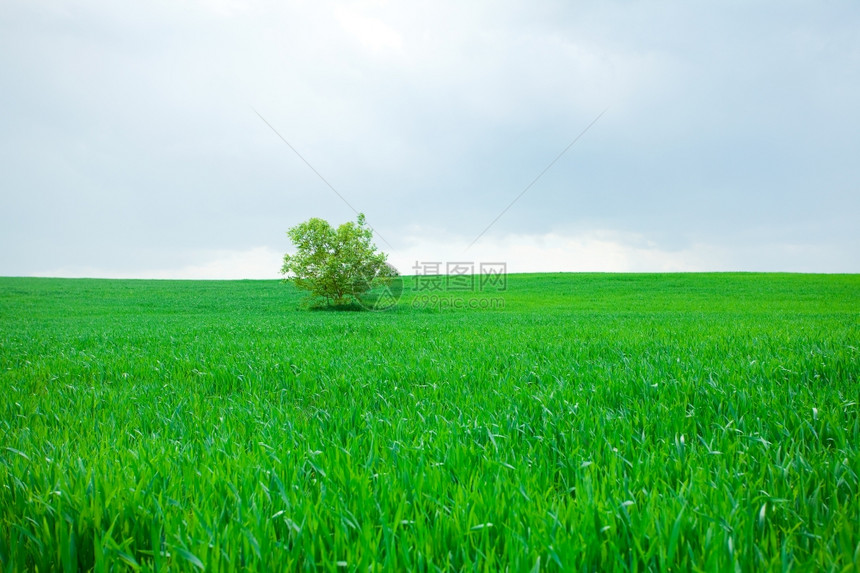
(586, 251)
(613, 251)
(727, 144)
(371, 32)
(254, 263)
(594, 251)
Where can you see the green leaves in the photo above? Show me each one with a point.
(337, 265)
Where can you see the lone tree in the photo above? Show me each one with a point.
(338, 265)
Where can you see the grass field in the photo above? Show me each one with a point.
(585, 422)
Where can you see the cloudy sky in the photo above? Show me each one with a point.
(131, 145)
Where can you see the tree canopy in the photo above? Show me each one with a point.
(338, 265)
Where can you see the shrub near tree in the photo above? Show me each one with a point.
(339, 265)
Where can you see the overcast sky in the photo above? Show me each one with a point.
(130, 144)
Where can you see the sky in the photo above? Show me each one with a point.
(181, 139)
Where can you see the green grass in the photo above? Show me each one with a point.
(587, 422)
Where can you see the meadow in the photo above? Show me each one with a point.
(581, 422)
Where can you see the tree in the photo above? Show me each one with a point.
(340, 265)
